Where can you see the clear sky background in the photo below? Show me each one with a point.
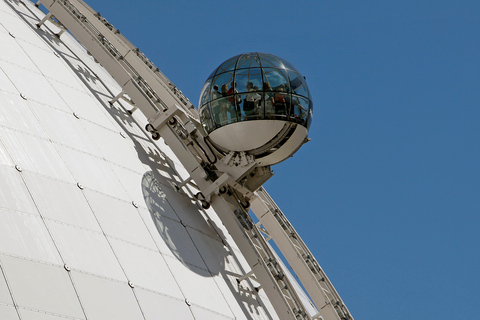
(387, 193)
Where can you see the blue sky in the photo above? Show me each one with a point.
(387, 193)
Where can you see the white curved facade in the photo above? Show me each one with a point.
(90, 227)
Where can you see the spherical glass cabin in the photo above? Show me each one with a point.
(257, 103)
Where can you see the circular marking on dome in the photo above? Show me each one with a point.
(19, 169)
(80, 186)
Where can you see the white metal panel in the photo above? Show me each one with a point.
(86, 250)
(8, 312)
(15, 24)
(185, 209)
(104, 299)
(146, 268)
(5, 158)
(175, 241)
(72, 134)
(5, 83)
(85, 106)
(131, 183)
(92, 172)
(41, 287)
(5, 297)
(155, 199)
(35, 154)
(13, 193)
(12, 52)
(119, 218)
(3, 7)
(33, 85)
(61, 201)
(155, 305)
(50, 65)
(15, 113)
(201, 291)
(38, 315)
(213, 252)
(114, 147)
(203, 314)
(25, 235)
(160, 232)
(172, 159)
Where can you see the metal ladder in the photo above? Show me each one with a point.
(171, 116)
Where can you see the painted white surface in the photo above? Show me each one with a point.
(246, 135)
(165, 245)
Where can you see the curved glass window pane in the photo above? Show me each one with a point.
(267, 107)
(280, 103)
(288, 65)
(206, 119)
(205, 96)
(228, 65)
(223, 82)
(270, 61)
(249, 79)
(224, 111)
(250, 105)
(277, 79)
(299, 109)
(215, 93)
(250, 61)
(297, 84)
(219, 113)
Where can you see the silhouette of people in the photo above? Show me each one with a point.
(227, 104)
(234, 99)
(219, 113)
(250, 100)
(269, 100)
(280, 104)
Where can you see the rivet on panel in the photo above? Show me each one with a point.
(187, 302)
(56, 54)
(134, 204)
(183, 223)
(123, 135)
(80, 186)
(76, 115)
(130, 283)
(67, 267)
(24, 97)
(19, 169)
(11, 34)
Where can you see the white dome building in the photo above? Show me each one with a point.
(90, 227)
